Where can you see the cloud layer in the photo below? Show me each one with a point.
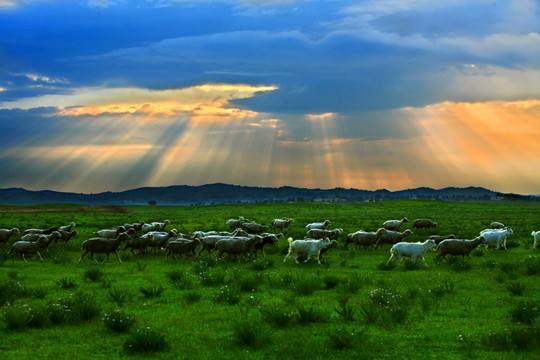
(109, 95)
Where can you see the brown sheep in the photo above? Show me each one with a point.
(424, 223)
(103, 246)
(392, 237)
(458, 247)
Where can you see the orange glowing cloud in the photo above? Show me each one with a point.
(203, 103)
(320, 117)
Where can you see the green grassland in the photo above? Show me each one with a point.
(349, 307)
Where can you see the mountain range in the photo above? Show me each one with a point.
(225, 193)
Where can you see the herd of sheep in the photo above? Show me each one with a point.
(247, 238)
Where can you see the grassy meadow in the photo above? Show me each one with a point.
(353, 306)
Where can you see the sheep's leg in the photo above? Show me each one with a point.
(93, 258)
(392, 257)
(82, 255)
(424, 260)
(287, 256)
(22, 255)
(117, 256)
(40, 258)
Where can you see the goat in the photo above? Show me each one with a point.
(412, 250)
(308, 248)
(181, 247)
(439, 238)
(5, 234)
(281, 224)
(458, 247)
(496, 236)
(138, 242)
(67, 227)
(392, 237)
(394, 225)
(27, 247)
(254, 228)
(364, 238)
(424, 223)
(324, 225)
(102, 246)
(234, 223)
(39, 231)
(536, 237)
(321, 234)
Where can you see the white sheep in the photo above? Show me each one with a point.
(155, 226)
(67, 227)
(496, 236)
(110, 233)
(394, 225)
(412, 250)
(324, 225)
(536, 237)
(5, 234)
(281, 224)
(235, 223)
(307, 248)
(27, 247)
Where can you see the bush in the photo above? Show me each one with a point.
(17, 316)
(66, 283)
(346, 311)
(180, 279)
(227, 294)
(525, 313)
(118, 296)
(152, 290)
(306, 286)
(144, 341)
(12, 290)
(212, 279)
(279, 316)
(261, 264)
(39, 292)
(370, 313)
(520, 339)
(58, 312)
(192, 297)
(84, 307)
(309, 315)
(248, 283)
(532, 265)
(344, 338)
(249, 333)
(117, 321)
(460, 264)
(330, 281)
(351, 284)
(516, 287)
(93, 275)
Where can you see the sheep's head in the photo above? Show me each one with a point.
(166, 222)
(15, 231)
(407, 232)
(431, 244)
(405, 220)
(120, 230)
(327, 223)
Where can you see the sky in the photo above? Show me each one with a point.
(111, 95)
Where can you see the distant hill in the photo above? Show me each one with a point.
(224, 193)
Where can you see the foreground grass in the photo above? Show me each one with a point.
(267, 309)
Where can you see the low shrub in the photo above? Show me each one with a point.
(341, 338)
(145, 341)
(227, 294)
(387, 266)
(93, 275)
(192, 297)
(248, 332)
(307, 315)
(330, 281)
(152, 290)
(516, 287)
(524, 313)
(279, 316)
(532, 265)
(305, 285)
(118, 321)
(17, 316)
(66, 283)
(118, 296)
